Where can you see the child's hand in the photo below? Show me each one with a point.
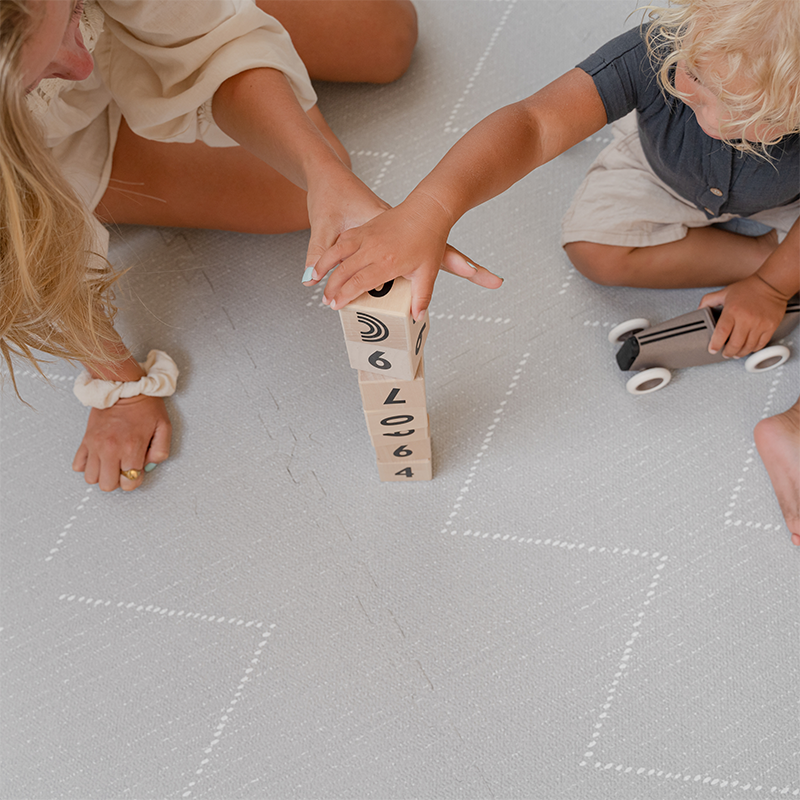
(132, 433)
(406, 241)
(752, 311)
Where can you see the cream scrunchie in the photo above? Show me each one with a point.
(160, 381)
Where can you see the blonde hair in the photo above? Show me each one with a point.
(54, 292)
(755, 43)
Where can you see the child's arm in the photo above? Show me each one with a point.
(755, 306)
(500, 150)
(133, 432)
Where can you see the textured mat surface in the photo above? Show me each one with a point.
(594, 598)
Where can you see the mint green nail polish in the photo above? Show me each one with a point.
(308, 275)
(150, 467)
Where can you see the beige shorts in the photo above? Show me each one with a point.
(623, 202)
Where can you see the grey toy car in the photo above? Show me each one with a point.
(683, 342)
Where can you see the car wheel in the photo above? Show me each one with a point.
(768, 358)
(649, 380)
(625, 330)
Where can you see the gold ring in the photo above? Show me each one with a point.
(131, 474)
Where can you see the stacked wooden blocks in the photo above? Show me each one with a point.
(385, 344)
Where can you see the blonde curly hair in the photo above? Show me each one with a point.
(754, 44)
(54, 292)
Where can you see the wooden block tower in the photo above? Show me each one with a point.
(385, 344)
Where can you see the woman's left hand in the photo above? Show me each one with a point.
(132, 433)
(337, 202)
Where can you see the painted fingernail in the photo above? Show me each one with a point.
(308, 275)
(150, 467)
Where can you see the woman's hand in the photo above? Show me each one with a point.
(408, 241)
(752, 310)
(337, 201)
(131, 434)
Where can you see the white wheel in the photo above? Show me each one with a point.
(649, 380)
(768, 358)
(625, 330)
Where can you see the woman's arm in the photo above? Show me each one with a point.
(500, 150)
(259, 110)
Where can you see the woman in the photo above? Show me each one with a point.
(178, 113)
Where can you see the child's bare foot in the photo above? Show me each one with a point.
(778, 442)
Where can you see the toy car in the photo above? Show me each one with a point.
(683, 342)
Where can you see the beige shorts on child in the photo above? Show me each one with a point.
(623, 202)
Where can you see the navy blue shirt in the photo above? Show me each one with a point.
(712, 175)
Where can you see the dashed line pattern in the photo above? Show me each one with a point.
(151, 608)
(66, 529)
(30, 373)
(568, 280)
(180, 613)
(597, 323)
(388, 158)
(619, 676)
(222, 724)
(626, 655)
(629, 644)
(450, 126)
(749, 459)
(701, 779)
(484, 447)
(472, 318)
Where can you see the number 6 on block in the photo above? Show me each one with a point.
(380, 334)
(417, 450)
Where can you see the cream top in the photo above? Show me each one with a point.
(158, 64)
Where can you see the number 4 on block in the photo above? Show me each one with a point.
(406, 471)
(380, 334)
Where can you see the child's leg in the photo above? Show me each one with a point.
(704, 257)
(778, 442)
(196, 186)
(349, 40)
(626, 227)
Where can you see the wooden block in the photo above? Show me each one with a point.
(397, 436)
(417, 450)
(380, 334)
(408, 471)
(389, 420)
(378, 391)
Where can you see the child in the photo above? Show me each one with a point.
(707, 96)
(124, 99)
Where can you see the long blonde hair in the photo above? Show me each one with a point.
(753, 42)
(54, 292)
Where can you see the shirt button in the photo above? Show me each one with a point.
(717, 192)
